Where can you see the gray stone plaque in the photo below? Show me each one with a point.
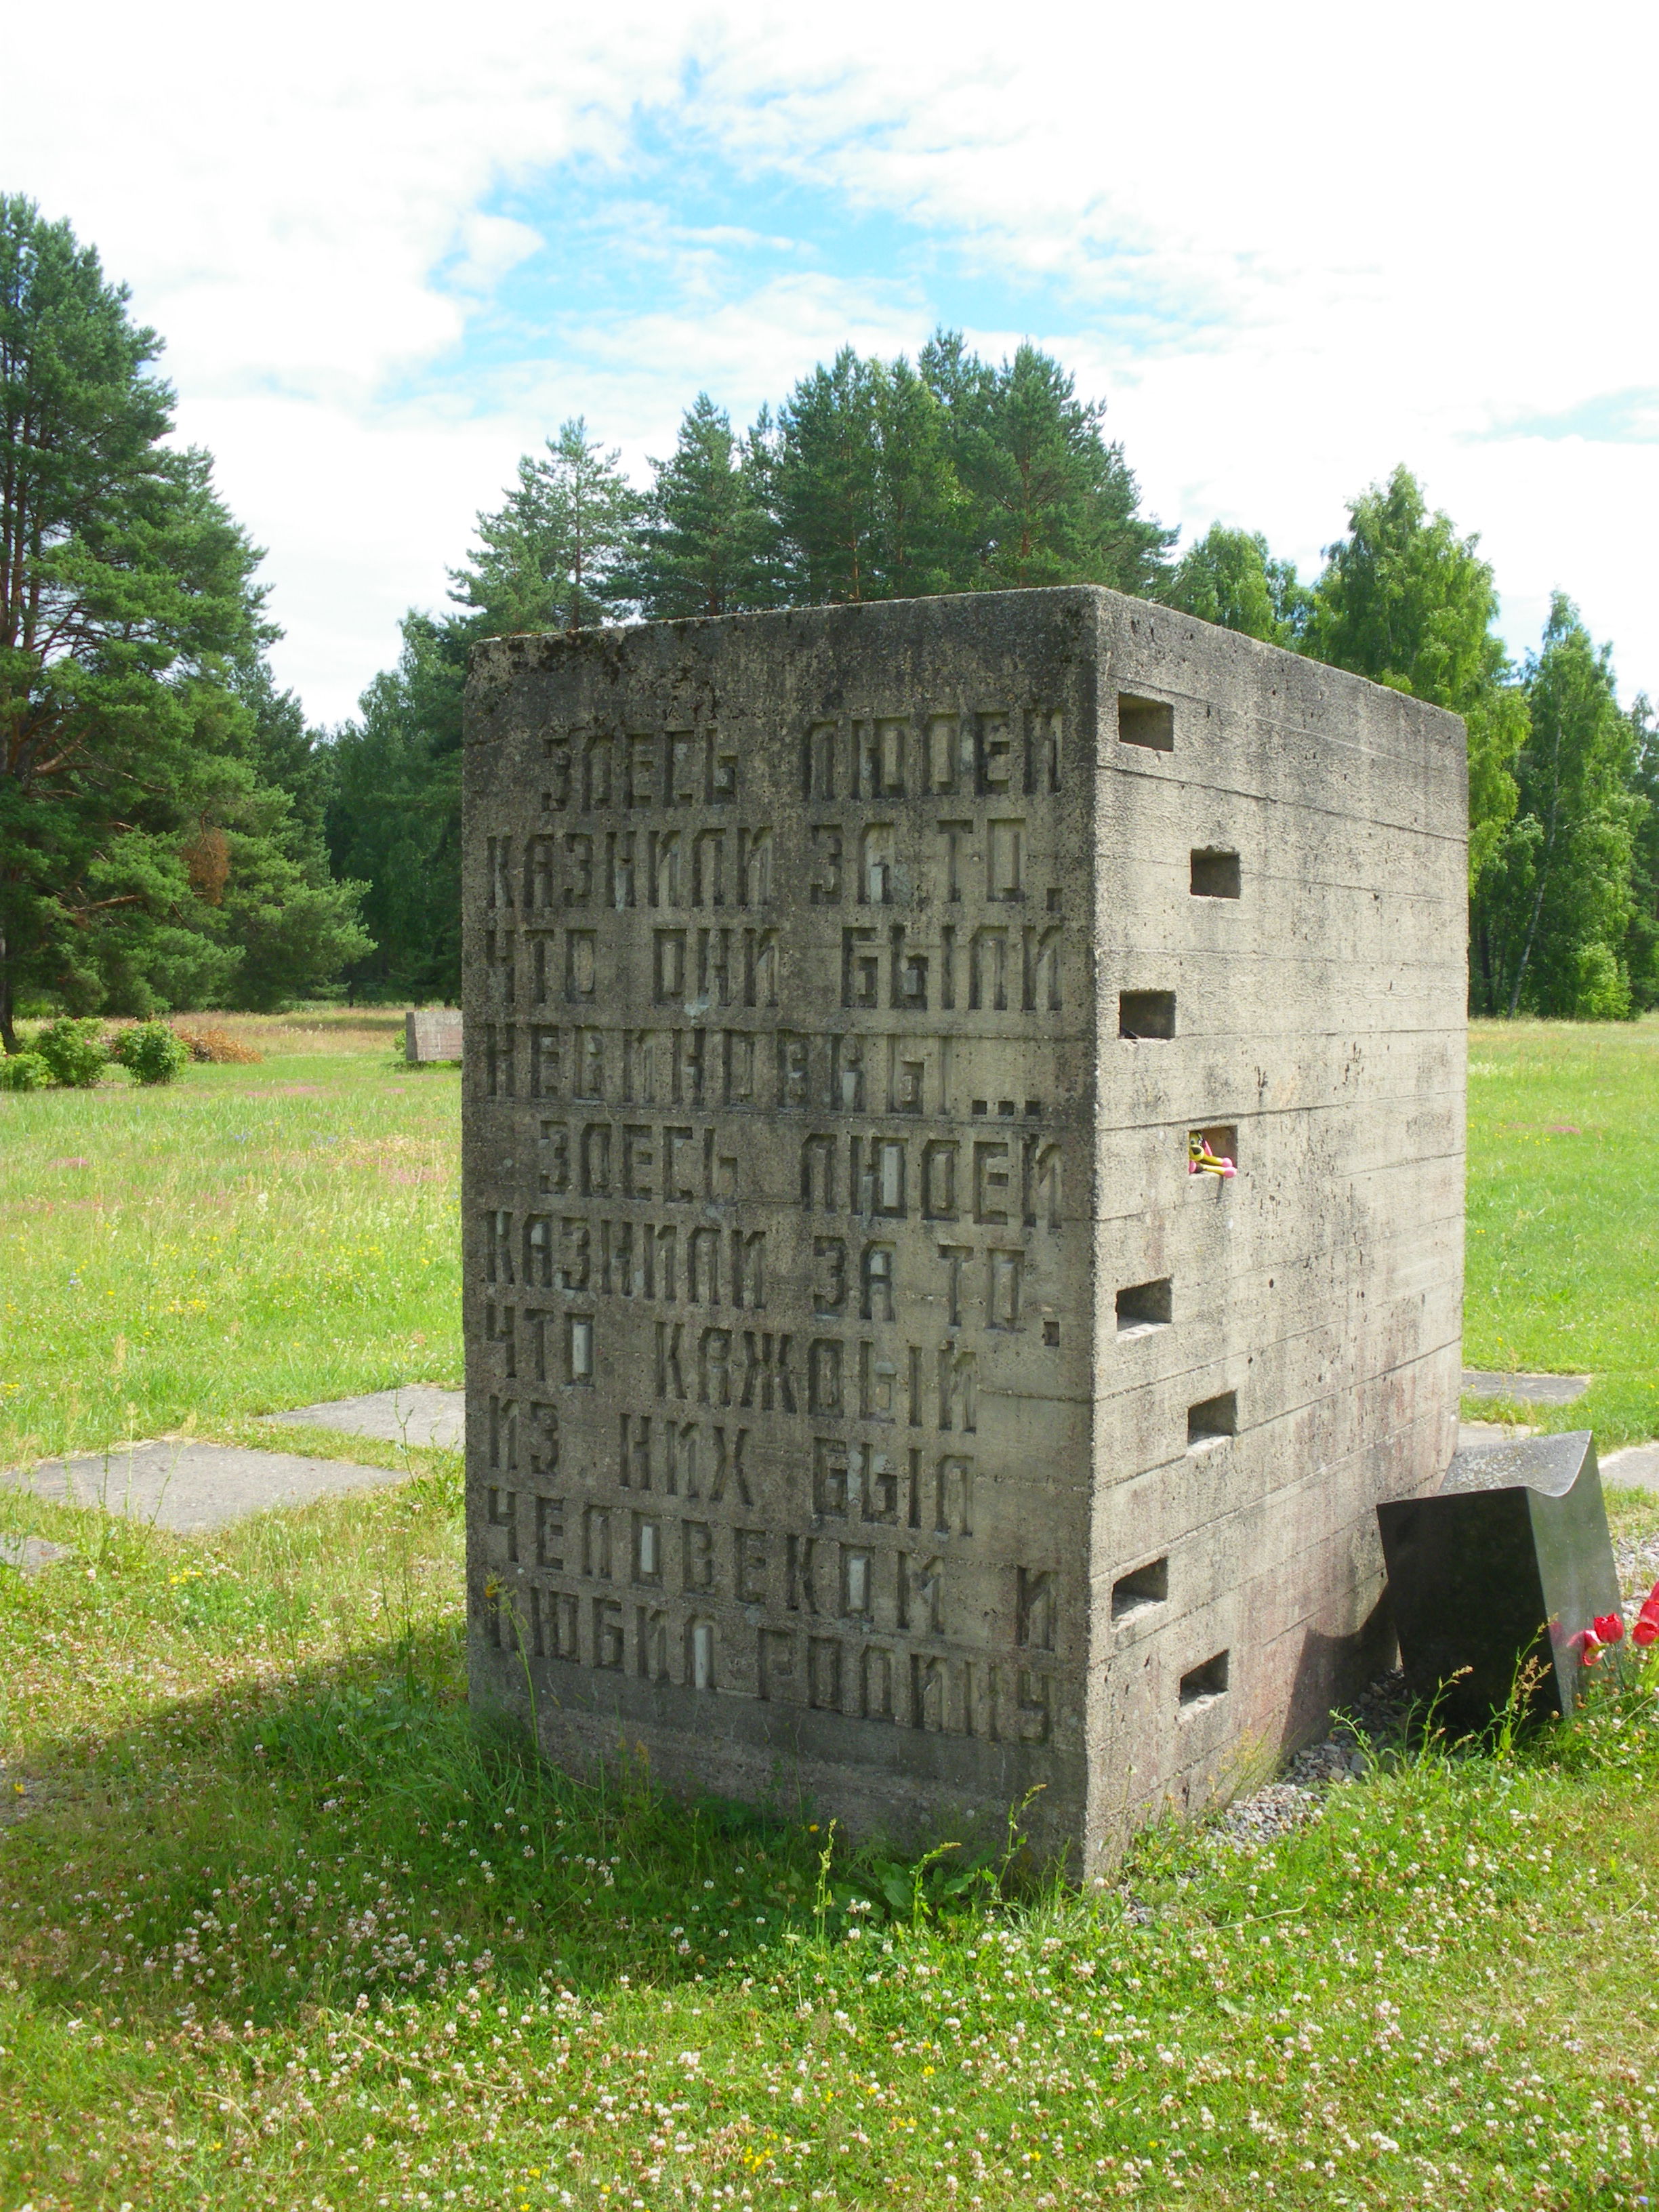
(874, 1399)
(432, 1033)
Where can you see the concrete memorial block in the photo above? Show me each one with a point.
(432, 1033)
(872, 1393)
(1509, 1564)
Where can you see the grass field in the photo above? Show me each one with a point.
(282, 1929)
(247, 1239)
(1563, 1265)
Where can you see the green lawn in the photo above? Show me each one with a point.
(282, 1929)
(1562, 1266)
(247, 1239)
(300, 1216)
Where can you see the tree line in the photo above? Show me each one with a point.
(161, 803)
(878, 479)
(172, 833)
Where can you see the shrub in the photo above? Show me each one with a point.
(23, 1070)
(217, 1045)
(150, 1053)
(74, 1052)
(1603, 989)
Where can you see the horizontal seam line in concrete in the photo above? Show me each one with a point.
(1174, 1375)
(1133, 771)
(1289, 1413)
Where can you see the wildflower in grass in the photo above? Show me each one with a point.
(1646, 1630)
(1608, 1627)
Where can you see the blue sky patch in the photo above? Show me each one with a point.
(676, 226)
(1612, 418)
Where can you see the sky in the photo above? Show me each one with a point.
(389, 250)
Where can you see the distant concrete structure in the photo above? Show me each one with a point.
(432, 1033)
(872, 1393)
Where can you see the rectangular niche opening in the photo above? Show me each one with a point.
(1216, 1418)
(1133, 1592)
(1203, 1684)
(1220, 1140)
(1146, 1013)
(1148, 722)
(1144, 1306)
(1215, 875)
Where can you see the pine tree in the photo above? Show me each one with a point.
(920, 507)
(551, 557)
(130, 806)
(394, 813)
(292, 923)
(866, 498)
(703, 544)
(1047, 501)
(823, 480)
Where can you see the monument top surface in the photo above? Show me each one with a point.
(1549, 1465)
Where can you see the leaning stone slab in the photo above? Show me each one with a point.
(964, 1196)
(1508, 1564)
(417, 1413)
(432, 1033)
(190, 1487)
(1530, 1389)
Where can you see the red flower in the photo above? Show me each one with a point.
(1646, 1630)
(1592, 1648)
(1609, 1628)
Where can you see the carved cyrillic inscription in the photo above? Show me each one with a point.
(605, 771)
(841, 1665)
(920, 754)
(788, 1195)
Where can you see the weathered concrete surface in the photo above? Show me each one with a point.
(27, 1555)
(417, 1413)
(433, 1033)
(190, 1487)
(865, 1401)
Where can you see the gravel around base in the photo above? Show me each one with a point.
(1377, 1717)
(1638, 1560)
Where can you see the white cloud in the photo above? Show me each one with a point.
(1292, 252)
(491, 246)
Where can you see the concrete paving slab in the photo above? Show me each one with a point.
(190, 1487)
(1635, 1468)
(28, 1554)
(416, 1412)
(1531, 1389)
